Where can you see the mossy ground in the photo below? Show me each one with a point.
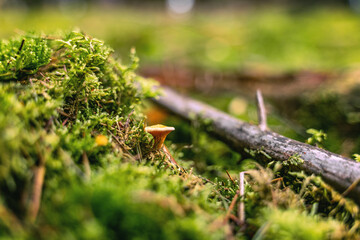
(72, 126)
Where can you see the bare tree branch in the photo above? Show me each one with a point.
(338, 171)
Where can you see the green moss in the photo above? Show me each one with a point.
(22, 56)
(292, 224)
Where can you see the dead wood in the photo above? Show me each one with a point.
(337, 170)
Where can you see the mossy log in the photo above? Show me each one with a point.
(338, 171)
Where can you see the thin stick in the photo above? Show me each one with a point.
(231, 207)
(63, 113)
(116, 139)
(229, 234)
(120, 144)
(10, 219)
(18, 52)
(261, 111)
(277, 179)
(39, 174)
(351, 187)
(21, 47)
(49, 124)
(230, 177)
(234, 218)
(65, 121)
(86, 166)
(242, 203)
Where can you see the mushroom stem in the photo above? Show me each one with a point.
(169, 156)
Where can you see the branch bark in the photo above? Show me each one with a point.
(337, 170)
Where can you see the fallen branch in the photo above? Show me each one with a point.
(338, 171)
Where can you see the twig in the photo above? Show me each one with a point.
(86, 163)
(121, 145)
(18, 52)
(229, 233)
(10, 219)
(49, 123)
(44, 83)
(351, 187)
(39, 174)
(64, 113)
(206, 180)
(65, 121)
(21, 46)
(277, 179)
(242, 203)
(230, 177)
(234, 218)
(261, 111)
(231, 207)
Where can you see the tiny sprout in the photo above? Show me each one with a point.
(317, 137)
(356, 157)
(101, 140)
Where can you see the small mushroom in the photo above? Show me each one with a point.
(159, 133)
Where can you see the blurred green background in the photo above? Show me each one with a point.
(233, 36)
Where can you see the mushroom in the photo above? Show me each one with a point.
(159, 133)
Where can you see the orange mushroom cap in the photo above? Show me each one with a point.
(159, 133)
(101, 140)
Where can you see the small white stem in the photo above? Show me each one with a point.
(242, 203)
(261, 111)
